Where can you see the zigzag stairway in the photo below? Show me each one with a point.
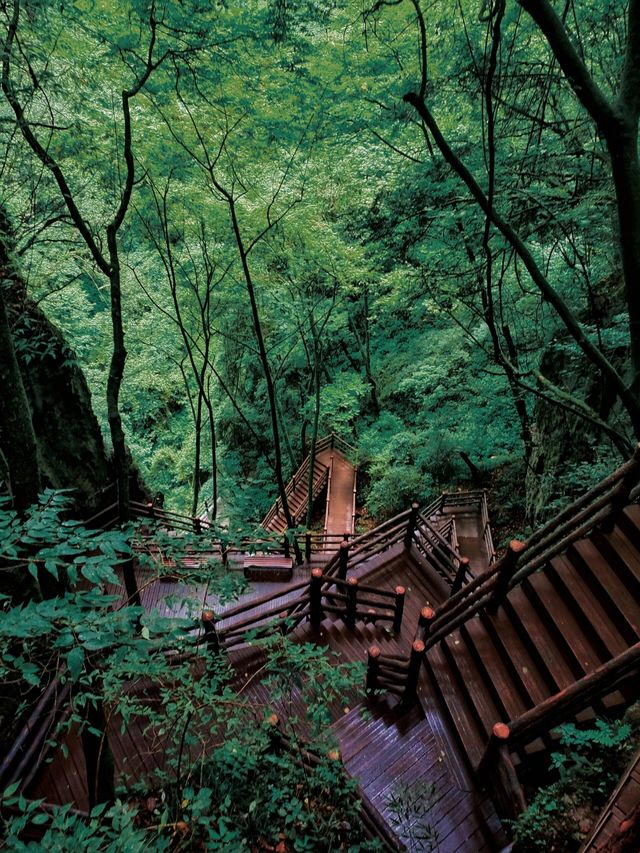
(480, 659)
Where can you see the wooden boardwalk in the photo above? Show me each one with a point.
(334, 469)
(340, 507)
(548, 633)
(374, 753)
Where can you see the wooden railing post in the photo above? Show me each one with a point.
(351, 603)
(307, 546)
(496, 765)
(344, 560)
(286, 546)
(425, 620)
(398, 609)
(458, 582)
(373, 667)
(413, 673)
(315, 598)
(411, 526)
(197, 526)
(275, 740)
(507, 569)
(211, 635)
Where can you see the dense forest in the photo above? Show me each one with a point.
(227, 230)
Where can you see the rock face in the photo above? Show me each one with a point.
(71, 452)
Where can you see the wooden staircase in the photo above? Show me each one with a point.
(560, 629)
(297, 492)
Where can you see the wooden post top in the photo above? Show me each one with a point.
(273, 720)
(208, 616)
(400, 590)
(352, 581)
(418, 646)
(516, 546)
(374, 652)
(501, 731)
(427, 612)
(344, 546)
(415, 506)
(316, 573)
(466, 560)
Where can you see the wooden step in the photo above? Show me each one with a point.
(472, 681)
(536, 685)
(506, 691)
(533, 632)
(471, 740)
(629, 522)
(621, 605)
(622, 556)
(561, 625)
(594, 620)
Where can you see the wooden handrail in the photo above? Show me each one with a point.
(578, 519)
(452, 555)
(552, 711)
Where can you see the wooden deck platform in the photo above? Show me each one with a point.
(414, 739)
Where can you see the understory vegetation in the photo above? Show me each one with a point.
(586, 768)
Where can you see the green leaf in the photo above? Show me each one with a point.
(75, 662)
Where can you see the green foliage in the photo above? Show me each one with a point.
(228, 781)
(410, 807)
(587, 768)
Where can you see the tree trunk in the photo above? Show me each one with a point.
(625, 168)
(196, 459)
(316, 421)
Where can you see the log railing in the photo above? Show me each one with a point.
(34, 739)
(395, 674)
(368, 544)
(437, 550)
(597, 506)
(312, 598)
(561, 707)
(353, 601)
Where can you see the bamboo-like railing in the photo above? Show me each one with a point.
(522, 559)
(299, 479)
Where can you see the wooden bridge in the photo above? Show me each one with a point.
(480, 658)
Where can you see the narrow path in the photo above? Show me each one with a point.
(340, 498)
(470, 529)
